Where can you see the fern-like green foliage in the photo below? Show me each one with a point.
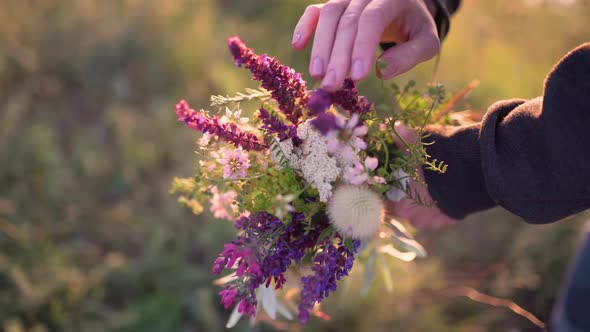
(416, 110)
(249, 94)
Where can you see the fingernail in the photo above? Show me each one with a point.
(317, 67)
(330, 79)
(358, 69)
(385, 69)
(380, 66)
(296, 38)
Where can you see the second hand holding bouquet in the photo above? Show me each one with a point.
(305, 182)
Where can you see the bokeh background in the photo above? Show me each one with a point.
(91, 239)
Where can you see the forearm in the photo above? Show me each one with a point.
(530, 157)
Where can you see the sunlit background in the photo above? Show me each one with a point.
(91, 239)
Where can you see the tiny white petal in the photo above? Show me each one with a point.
(269, 301)
(234, 318)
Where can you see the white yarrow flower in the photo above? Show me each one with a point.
(315, 164)
(356, 212)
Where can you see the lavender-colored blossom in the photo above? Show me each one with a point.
(245, 254)
(356, 175)
(273, 125)
(229, 132)
(285, 85)
(319, 101)
(347, 98)
(263, 252)
(324, 123)
(331, 264)
(228, 296)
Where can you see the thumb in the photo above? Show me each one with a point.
(407, 55)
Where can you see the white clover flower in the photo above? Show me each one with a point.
(356, 212)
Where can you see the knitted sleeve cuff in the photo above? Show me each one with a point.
(461, 190)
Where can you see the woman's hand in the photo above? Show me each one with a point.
(421, 216)
(348, 32)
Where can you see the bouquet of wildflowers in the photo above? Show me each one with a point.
(305, 182)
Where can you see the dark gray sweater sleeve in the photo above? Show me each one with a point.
(530, 157)
(442, 14)
(443, 11)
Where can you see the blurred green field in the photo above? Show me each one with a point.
(91, 240)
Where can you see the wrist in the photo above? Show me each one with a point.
(462, 189)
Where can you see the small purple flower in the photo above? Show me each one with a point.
(228, 296)
(324, 123)
(319, 101)
(229, 132)
(348, 99)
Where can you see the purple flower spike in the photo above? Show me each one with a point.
(331, 264)
(285, 85)
(266, 248)
(319, 101)
(348, 99)
(274, 125)
(229, 132)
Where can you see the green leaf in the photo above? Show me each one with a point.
(386, 274)
(369, 272)
(404, 239)
(329, 231)
(349, 244)
(382, 65)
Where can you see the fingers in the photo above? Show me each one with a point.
(406, 135)
(372, 23)
(324, 36)
(348, 32)
(422, 217)
(306, 26)
(421, 47)
(340, 56)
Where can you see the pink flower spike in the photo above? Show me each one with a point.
(371, 163)
(228, 296)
